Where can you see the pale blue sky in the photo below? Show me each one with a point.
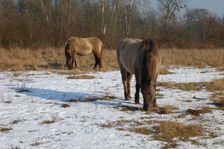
(214, 6)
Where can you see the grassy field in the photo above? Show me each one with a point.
(53, 59)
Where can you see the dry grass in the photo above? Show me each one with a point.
(141, 130)
(193, 57)
(50, 59)
(80, 77)
(93, 98)
(53, 58)
(216, 85)
(49, 121)
(64, 105)
(166, 109)
(164, 70)
(5, 130)
(37, 143)
(184, 86)
(16, 121)
(168, 130)
(197, 112)
(217, 99)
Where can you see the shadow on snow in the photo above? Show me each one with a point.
(78, 97)
(53, 94)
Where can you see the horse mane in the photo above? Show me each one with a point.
(149, 47)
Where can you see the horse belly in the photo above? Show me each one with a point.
(85, 51)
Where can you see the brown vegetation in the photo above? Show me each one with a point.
(49, 121)
(197, 112)
(161, 130)
(53, 59)
(168, 130)
(217, 99)
(5, 130)
(80, 77)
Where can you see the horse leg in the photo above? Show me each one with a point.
(101, 59)
(138, 86)
(129, 76)
(154, 100)
(100, 62)
(124, 75)
(97, 60)
(75, 60)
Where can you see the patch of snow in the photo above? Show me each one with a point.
(33, 97)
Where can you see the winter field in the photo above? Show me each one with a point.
(51, 110)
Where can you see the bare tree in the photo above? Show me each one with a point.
(168, 9)
(128, 12)
(103, 23)
(45, 11)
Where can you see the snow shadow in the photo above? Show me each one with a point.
(53, 94)
(120, 103)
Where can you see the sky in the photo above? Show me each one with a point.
(214, 6)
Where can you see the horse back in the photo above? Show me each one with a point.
(129, 54)
(84, 46)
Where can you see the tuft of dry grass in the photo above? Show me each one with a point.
(166, 109)
(216, 85)
(141, 130)
(217, 99)
(164, 70)
(5, 130)
(197, 112)
(168, 130)
(64, 105)
(49, 121)
(80, 77)
(16, 121)
(36, 143)
(184, 86)
(93, 98)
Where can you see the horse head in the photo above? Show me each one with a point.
(68, 55)
(148, 74)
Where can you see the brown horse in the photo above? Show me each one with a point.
(141, 58)
(83, 46)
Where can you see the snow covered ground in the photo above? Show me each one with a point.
(48, 110)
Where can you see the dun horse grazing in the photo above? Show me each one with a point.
(141, 58)
(83, 46)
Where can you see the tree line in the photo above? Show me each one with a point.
(48, 23)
